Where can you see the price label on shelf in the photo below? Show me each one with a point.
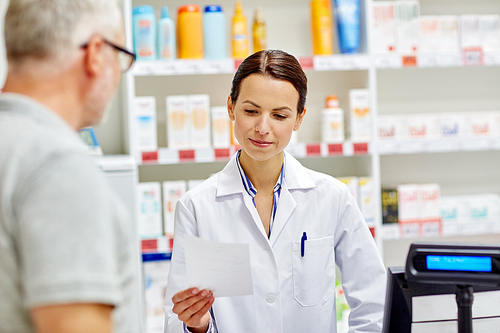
(325, 63)
(431, 228)
(360, 148)
(195, 67)
(473, 56)
(428, 60)
(306, 63)
(169, 68)
(204, 155)
(313, 149)
(335, 149)
(450, 60)
(409, 230)
(388, 61)
(186, 155)
(222, 153)
(409, 61)
(145, 68)
(149, 156)
(220, 66)
(491, 58)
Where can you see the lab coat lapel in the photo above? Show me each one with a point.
(285, 209)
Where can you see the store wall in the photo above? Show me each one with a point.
(3, 60)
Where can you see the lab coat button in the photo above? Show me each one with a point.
(270, 298)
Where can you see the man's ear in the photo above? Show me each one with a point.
(230, 108)
(94, 56)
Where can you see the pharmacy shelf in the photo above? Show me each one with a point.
(398, 231)
(228, 66)
(166, 156)
(437, 146)
(338, 62)
(467, 58)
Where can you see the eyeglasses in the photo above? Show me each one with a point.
(125, 57)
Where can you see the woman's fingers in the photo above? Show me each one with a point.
(192, 305)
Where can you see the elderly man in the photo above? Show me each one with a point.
(68, 259)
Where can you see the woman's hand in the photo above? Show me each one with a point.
(191, 306)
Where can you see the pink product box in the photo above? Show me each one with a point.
(423, 127)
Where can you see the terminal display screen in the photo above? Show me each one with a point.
(459, 263)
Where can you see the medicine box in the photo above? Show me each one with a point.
(156, 267)
(178, 122)
(383, 28)
(490, 32)
(449, 34)
(452, 125)
(221, 127)
(332, 125)
(470, 34)
(360, 116)
(408, 205)
(391, 127)
(407, 15)
(144, 114)
(149, 209)
(172, 192)
(422, 127)
(367, 199)
(353, 186)
(429, 34)
(389, 199)
(199, 111)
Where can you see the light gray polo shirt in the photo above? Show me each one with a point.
(64, 235)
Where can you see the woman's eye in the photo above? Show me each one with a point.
(250, 111)
(280, 116)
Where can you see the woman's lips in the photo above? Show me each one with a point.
(259, 143)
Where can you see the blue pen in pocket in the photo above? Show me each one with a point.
(303, 244)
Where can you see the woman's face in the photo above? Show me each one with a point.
(264, 115)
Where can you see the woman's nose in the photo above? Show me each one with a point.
(263, 125)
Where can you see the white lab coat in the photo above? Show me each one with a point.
(291, 293)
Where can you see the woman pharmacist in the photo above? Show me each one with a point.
(264, 197)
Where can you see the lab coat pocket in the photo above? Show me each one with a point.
(314, 273)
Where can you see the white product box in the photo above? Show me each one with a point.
(384, 28)
(221, 127)
(391, 127)
(332, 125)
(178, 123)
(449, 34)
(407, 15)
(199, 111)
(423, 127)
(429, 34)
(470, 34)
(360, 115)
(367, 199)
(149, 209)
(452, 125)
(484, 213)
(489, 25)
(480, 124)
(353, 186)
(172, 192)
(454, 214)
(145, 123)
(429, 195)
(408, 203)
(155, 282)
(192, 183)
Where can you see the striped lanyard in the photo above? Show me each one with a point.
(250, 189)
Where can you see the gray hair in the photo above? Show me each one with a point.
(54, 29)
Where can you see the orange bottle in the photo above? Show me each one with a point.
(259, 31)
(239, 33)
(189, 32)
(322, 27)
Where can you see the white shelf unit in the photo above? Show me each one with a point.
(426, 83)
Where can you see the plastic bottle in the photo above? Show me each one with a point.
(322, 27)
(166, 36)
(332, 121)
(259, 31)
(189, 32)
(348, 24)
(214, 32)
(239, 33)
(144, 28)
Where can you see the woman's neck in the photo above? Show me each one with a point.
(262, 174)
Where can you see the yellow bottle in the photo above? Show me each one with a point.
(322, 27)
(259, 31)
(239, 33)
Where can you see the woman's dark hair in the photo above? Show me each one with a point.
(276, 64)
